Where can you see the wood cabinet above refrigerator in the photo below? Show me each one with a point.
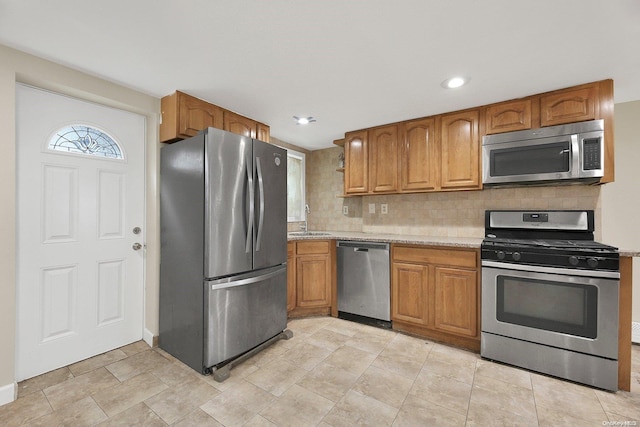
(184, 116)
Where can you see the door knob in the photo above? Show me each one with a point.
(137, 246)
(136, 230)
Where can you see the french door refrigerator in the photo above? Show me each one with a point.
(223, 272)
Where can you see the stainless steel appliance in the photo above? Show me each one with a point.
(571, 153)
(363, 282)
(550, 295)
(223, 273)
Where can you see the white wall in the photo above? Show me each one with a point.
(15, 67)
(621, 199)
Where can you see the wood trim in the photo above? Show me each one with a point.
(624, 328)
(308, 312)
(607, 114)
(472, 344)
(169, 117)
(334, 278)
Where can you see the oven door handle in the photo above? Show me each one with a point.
(552, 270)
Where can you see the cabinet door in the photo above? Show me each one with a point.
(409, 287)
(291, 276)
(460, 150)
(356, 163)
(455, 301)
(313, 281)
(509, 116)
(196, 115)
(418, 156)
(264, 133)
(239, 124)
(383, 159)
(568, 106)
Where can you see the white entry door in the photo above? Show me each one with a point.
(80, 174)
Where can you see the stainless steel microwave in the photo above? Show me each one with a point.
(570, 153)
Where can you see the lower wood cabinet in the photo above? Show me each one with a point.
(435, 293)
(311, 266)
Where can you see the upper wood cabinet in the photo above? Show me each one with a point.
(239, 124)
(184, 116)
(264, 133)
(569, 105)
(589, 101)
(356, 160)
(460, 150)
(509, 116)
(442, 153)
(419, 164)
(383, 159)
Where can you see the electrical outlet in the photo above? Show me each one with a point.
(345, 210)
(372, 208)
(384, 209)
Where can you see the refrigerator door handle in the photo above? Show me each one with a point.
(246, 281)
(249, 238)
(261, 190)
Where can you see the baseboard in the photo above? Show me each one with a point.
(635, 332)
(8, 393)
(148, 337)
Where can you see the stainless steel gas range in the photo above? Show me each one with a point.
(550, 295)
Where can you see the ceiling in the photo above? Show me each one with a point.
(350, 64)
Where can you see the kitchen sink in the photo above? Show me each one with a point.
(309, 233)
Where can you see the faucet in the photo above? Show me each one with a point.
(305, 226)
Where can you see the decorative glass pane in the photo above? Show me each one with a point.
(80, 139)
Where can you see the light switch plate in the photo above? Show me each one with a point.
(384, 209)
(345, 210)
(372, 208)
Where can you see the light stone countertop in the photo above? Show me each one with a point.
(460, 242)
(628, 252)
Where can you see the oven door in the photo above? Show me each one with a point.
(564, 308)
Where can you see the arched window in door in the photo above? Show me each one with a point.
(85, 140)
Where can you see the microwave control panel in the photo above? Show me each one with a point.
(591, 157)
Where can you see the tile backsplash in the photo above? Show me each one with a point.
(453, 214)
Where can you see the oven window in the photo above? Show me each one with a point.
(531, 159)
(553, 306)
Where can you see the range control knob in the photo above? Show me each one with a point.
(500, 254)
(516, 256)
(573, 260)
(592, 262)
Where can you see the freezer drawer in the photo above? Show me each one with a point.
(363, 279)
(243, 311)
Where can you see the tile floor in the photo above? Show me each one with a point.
(331, 373)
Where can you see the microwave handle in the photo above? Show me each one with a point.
(576, 156)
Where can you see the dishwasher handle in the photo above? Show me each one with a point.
(362, 246)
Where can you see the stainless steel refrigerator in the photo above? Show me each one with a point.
(223, 272)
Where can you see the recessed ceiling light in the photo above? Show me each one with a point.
(454, 82)
(303, 120)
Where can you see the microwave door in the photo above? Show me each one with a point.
(533, 160)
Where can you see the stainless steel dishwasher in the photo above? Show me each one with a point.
(364, 283)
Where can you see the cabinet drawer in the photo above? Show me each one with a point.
(312, 247)
(437, 256)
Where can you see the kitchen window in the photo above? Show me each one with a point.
(295, 185)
